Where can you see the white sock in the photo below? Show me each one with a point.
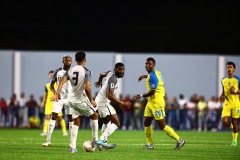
(94, 127)
(70, 129)
(51, 126)
(74, 133)
(104, 126)
(109, 130)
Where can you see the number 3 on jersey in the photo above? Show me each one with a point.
(75, 77)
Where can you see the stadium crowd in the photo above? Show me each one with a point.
(195, 113)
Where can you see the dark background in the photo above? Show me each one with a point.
(195, 26)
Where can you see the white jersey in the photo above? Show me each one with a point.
(111, 83)
(76, 75)
(58, 74)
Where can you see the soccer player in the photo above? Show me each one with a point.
(47, 104)
(231, 107)
(58, 106)
(155, 105)
(80, 83)
(105, 110)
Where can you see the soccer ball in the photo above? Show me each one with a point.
(87, 146)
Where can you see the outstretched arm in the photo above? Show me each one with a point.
(56, 96)
(111, 97)
(142, 77)
(99, 82)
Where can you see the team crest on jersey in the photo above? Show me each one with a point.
(158, 113)
(229, 84)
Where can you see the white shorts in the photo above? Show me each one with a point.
(57, 106)
(81, 109)
(105, 110)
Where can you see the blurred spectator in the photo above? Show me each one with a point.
(33, 122)
(13, 106)
(182, 112)
(211, 115)
(127, 115)
(171, 117)
(192, 113)
(137, 107)
(32, 106)
(41, 114)
(201, 106)
(4, 112)
(22, 112)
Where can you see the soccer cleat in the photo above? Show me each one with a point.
(180, 143)
(110, 146)
(94, 143)
(149, 146)
(65, 134)
(234, 143)
(46, 144)
(72, 150)
(101, 142)
(43, 134)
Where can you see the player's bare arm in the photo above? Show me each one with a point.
(111, 97)
(233, 90)
(44, 100)
(99, 82)
(56, 96)
(142, 77)
(150, 93)
(89, 93)
(52, 86)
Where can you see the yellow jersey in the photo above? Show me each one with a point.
(155, 81)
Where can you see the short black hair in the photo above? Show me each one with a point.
(118, 64)
(66, 55)
(52, 71)
(79, 56)
(151, 59)
(231, 63)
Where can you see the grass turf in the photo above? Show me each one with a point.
(16, 144)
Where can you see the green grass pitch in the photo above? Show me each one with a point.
(16, 144)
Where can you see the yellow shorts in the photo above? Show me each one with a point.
(48, 109)
(156, 110)
(233, 112)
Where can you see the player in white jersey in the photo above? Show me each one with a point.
(58, 106)
(105, 95)
(80, 82)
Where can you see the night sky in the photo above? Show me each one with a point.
(160, 26)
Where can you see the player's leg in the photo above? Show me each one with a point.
(235, 131)
(74, 133)
(159, 115)
(45, 125)
(62, 124)
(235, 115)
(148, 130)
(94, 126)
(48, 112)
(106, 123)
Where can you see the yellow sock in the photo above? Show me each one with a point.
(63, 125)
(148, 134)
(235, 136)
(171, 133)
(45, 126)
(231, 127)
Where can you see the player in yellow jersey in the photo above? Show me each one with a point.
(231, 107)
(156, 105)
(47, 104)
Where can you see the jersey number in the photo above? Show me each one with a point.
(75, 78)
